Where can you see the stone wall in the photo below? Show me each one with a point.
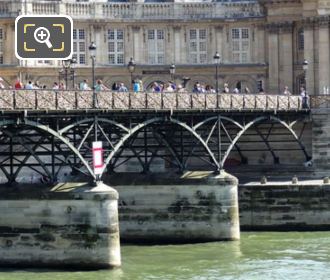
(285, 206)
(193, 209)
(59, 229)
(321, 139)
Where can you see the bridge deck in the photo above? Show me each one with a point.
(51, 100)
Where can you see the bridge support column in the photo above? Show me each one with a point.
(60, 229)
(198, 206)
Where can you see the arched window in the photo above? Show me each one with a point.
(301, 39)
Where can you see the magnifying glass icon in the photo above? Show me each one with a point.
(41, 35)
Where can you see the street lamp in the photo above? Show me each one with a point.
(172, 71)
(305, 67)
(185, 81)
(131, 68)
(66, 66)
(92, 52)
(305, 97)
(72, 72)
(217, 59)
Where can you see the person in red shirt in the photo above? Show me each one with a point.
(18, 84)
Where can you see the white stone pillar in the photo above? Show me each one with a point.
(312, 87)
(324, 59)
(226, 46)
(8, 50)
(273, 59)
(218, 40)
(184, 41)
(137, 44)
(176, 44)
(286, 58)
(260, 35)
(100, 46)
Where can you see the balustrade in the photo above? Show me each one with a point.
(81, 100)
(136, 11)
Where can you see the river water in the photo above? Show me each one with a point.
(258, 255)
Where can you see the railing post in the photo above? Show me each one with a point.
(146, 101)
(56, 100)
(76, 99)
(161, 100)
(176, 100)
(112, 100)
(35, 99)
(218, 100)
(14, 99)
(191, 101)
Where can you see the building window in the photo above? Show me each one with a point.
(301, 39)
(1, 46)
(197, 46)
(156, 46)
(240, 38)
(116, 46)
(79, 45)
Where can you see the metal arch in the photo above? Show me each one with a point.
(65, 141)
(67, 128)
(256, 121)
(198, 137)
(265, 140)
(217, 118)
(170, 148)
(32, 153)
(141, 125)
(123, 140)
(289, 127)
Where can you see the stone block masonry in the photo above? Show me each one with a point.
(197, 207)
(321, 139)
(60, 229)
(285, 206)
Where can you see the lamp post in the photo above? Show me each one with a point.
(73, 61)
(172, 71)
(67, 66)
(185, 81)
(305, 97)
(92, 52)
(216, 58)
(131, 68)
(305, 67)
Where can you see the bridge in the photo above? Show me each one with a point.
(46, 131)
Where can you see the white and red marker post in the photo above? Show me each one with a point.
(98, 162)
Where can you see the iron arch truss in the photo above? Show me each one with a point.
(182, 141)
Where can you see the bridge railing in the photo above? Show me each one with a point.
(320, 101)
(81, 100)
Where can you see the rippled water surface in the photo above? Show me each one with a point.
(258, 255)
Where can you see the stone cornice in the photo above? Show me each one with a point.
(278, 2)
(276, 27)
(317, 21)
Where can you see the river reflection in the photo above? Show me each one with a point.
(258, 255)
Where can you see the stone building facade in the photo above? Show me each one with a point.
(262, 43)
